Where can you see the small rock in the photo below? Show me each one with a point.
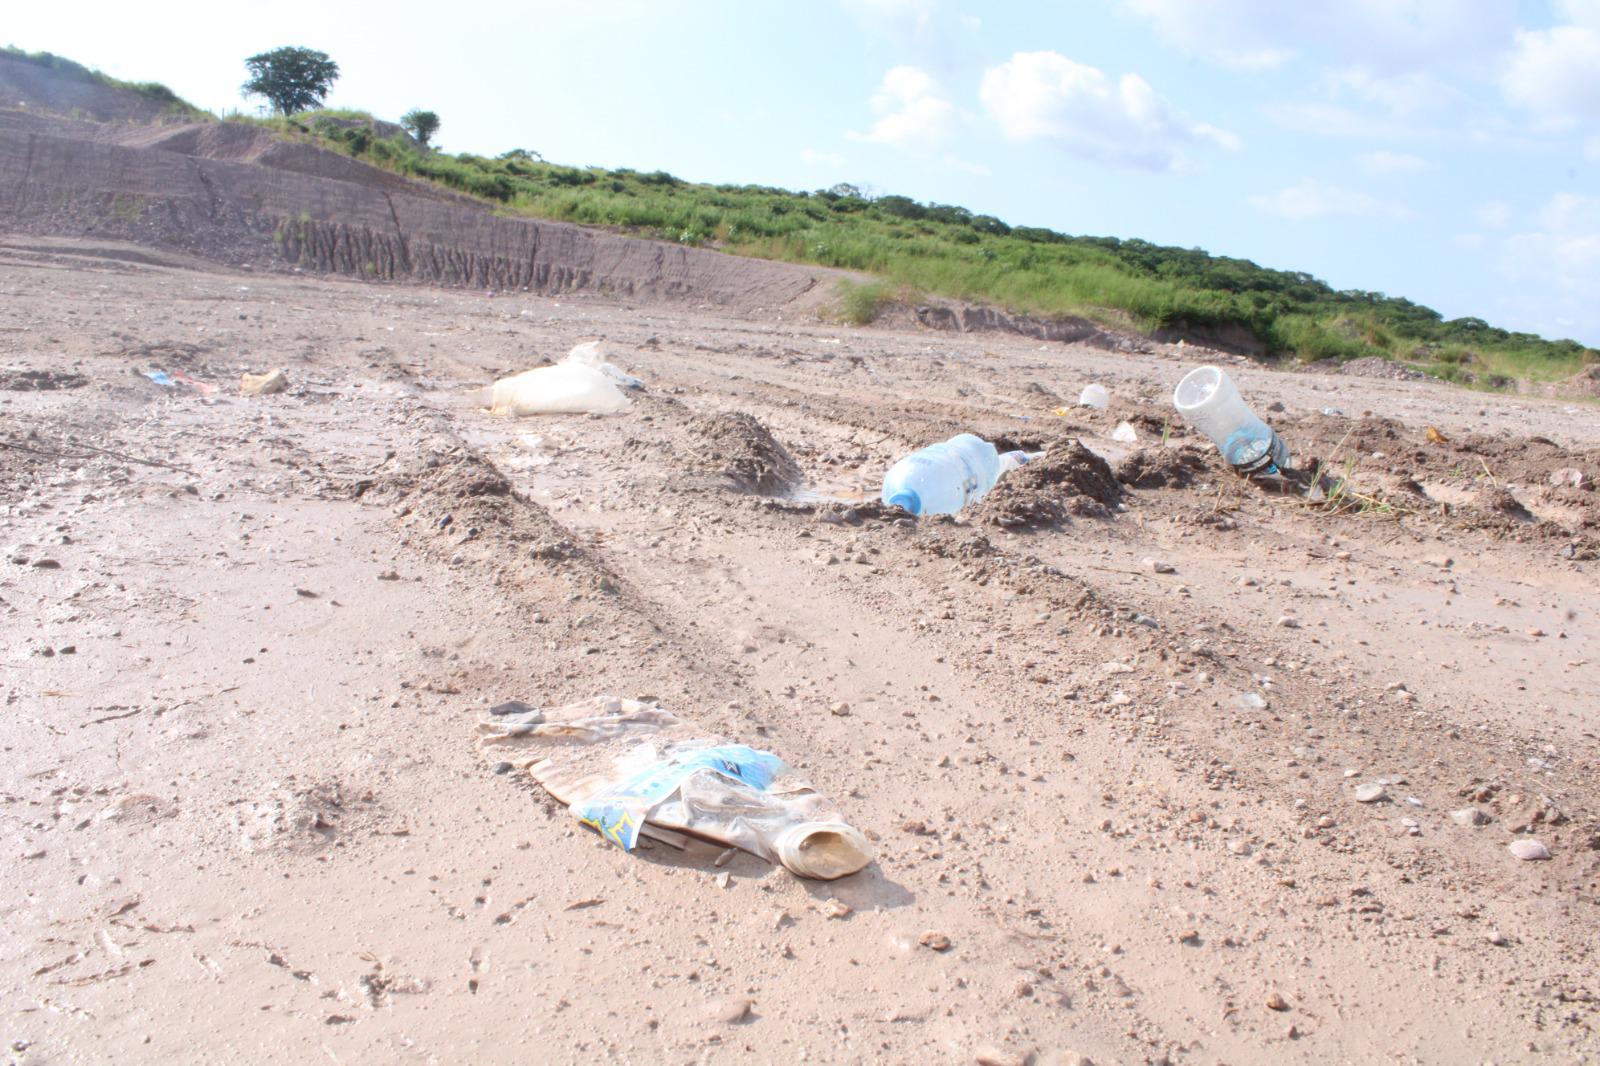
(1497, 938)
(1569, 477)
(1125, 433)
(934, 941)
(1371, 793)
(1157, 566)
(729, 1010)
(46, 564)
(840, 708)
(1470, 817)
(502, 768)
(994, 1056)
(834, 908)
(1277, 1002)
(1239, 847)
(388, 575)
(1528, 849)
(1288, 622)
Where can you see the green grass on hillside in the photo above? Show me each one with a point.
(949, 251)
(150, 90)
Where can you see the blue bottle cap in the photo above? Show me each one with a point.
(907, 499)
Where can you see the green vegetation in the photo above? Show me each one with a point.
(943, 250)
(420, 124)
(150, 90)
(292, 79)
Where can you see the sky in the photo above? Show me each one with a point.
(1447, 151)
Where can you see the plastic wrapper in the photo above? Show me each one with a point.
(627, 769)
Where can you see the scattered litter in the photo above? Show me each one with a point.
(943, 478)
(1094, 396)
(1012, 460)
(1333, 412)
(179, 379)
(1125, 433)
(1435, 437)
(1210, 402)
(627, 768)
(263, 384)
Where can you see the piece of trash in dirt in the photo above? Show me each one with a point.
(943, 478)
(1435, 437)
(178, 378)
(272, 381)
(1210, 402)
(1125, 433)
(1013, 459)
(589, 353)
(628, 769)
(1094, 396)
(572, 386)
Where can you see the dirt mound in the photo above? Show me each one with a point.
(742, 450)
(1373, 366)
(1067, 481)
(40, 380)
(1585, 382)
(1163, 468)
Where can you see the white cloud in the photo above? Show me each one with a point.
(1380, 163)
(1386, 36)
(1408, 93)
(1496, 214)
(967, 166)
(1046, 96)
(1565, 250)
(826, 160)
(911, 111)
(1555, 73)
(1311, 199)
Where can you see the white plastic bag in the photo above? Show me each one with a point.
(589, 354)
(566, 388)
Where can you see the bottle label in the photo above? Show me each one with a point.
(618, 811)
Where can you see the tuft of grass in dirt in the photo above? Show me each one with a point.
(861, 303)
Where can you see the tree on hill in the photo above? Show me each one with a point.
(420, 124)
(292, 79)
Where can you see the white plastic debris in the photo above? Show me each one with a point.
(1125, 433)
(1094, 396)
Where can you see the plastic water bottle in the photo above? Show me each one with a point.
(1210, 402)
(943, 478)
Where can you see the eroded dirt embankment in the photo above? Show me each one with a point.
(305, 208)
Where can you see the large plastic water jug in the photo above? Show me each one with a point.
(1210, 402)
(943, 478)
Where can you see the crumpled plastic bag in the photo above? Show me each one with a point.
(627, 769)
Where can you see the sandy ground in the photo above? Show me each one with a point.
(245, 653)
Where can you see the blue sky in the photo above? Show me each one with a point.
(1443, 150)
